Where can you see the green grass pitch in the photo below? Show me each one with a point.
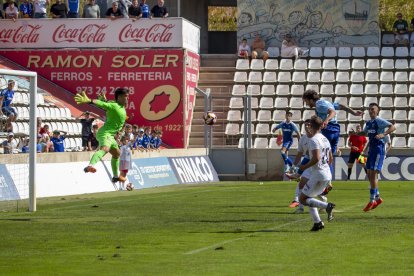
(227, 228)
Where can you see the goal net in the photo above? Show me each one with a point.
(18, 140)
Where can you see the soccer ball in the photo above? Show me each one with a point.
(362, 159)
(130, 187)
(210, 118)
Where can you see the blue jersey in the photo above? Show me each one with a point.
(138, 142)
(373, 128)
(288, 129)
(322, 108)
(156, 142)
(7, 97)
(73, 6)
(58, 143)
(146, 140)
(145, 10)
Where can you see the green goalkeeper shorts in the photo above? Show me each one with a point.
(106, 139)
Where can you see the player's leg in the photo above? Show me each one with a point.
(116, 153)
(283, 152)
(104, 140)
(374, 166)
(303, 180)
(123, 174)
(295, 201)
(351, 161)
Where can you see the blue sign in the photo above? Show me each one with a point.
(193, 169)
(8, 190)
(151, 172)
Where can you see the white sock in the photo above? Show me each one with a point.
(297, 192)
(314, 214)
(312, 202)
(300, 204)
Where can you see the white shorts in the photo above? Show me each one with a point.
(314, 187)
(306, 173)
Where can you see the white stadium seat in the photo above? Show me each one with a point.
(387, 76)
(266, 103)
(410, 128)
(400, 102)
(387, 52)
(399, 142)
(356, 89)
(296, 102)
(341, 100)
(373, 51)
(328, 76)
(341, 89)
(282, 89)
(273, 143)
(341, 115)
(344, 52)
(387, 64)
(411, 115)
(371, 89)
(286, 64)
(233, 115)
(386, 102)
(260, 143)
(273, 52)
(281, 102)
(315, 64)
(242, 129)
(238, 90)
(312, 87)
(343, 64)
(329, 64)
(400, 128)
(307, 114)
(296, 115)
(410, 143)
(411, 77)
(358, 64)
(298, 89)
(284, 77)
(315, 52)
(269, 77)
(242, 64)
(299, 76)
(253, 116)
(236, 103)
(278, 115)
(255, 77)
(240, 77)
(269, 89)
(386, 89)
(412, 63)
(358, 52)
(264, 116)
(342, 76)
(357, 76)
(401, 64)
(386, 114)
(327, 89)
(232, 129)
(257, 64)
(313, 77)
(373, 64)
(272, 64)
(400, 115)
(330, 52)
(401, 77)
(255, 102)
(301, 64)
(355, 102)
(262, 129)
(372, 76)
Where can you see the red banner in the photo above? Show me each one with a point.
(154, 77)
(192, 65)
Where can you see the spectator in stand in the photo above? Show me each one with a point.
(6, 4)
(159, 10)
(26, 9)
(92, 141)
(258, 47)
(124, 6)
(400, 29)
(9, 145)
(114, 12)
(244, 49)
(1, 15)
(146, 139)
(57, 140)
(145, 9)
(58, 10)
(134, 11)
(45, 130)
(39, 124)
(40, 8)
(128, 132)
(25, 143)
(135, 131)
(73, 8)
(6, 99)
(157, 141)
(139, 139)
(290, 48)
(91, 10)
(11, 12)
(86, 123)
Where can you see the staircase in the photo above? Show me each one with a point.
(216, 73)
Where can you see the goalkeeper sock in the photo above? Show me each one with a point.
(115, 166)
(349, 172)
(97, 156)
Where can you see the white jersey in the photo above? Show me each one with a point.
(303, 145)
(125, 160)
(321, 170)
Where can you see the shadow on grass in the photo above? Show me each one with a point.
(17, 219)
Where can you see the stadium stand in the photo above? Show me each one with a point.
(353, 76)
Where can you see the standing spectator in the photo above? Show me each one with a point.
(357, 143)
(258, 47)
(73, 7)
(40, 8)
(400, 29)
(128, 132)
(9, 145)
(57, 140)
(145, 9)
(92, 141)
(114, 12)
(6, 98)
(87, 122)
(139, 139)
(58, 10)
(26, 9)
(244, 49)
(159, 10)
(134, 11)
(91, 10)
(124, 6)
(6, 4)
(157, 141)
(11, 12)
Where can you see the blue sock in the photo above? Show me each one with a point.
(372, 194)
(284, 158)
(290, 163)
(377, 195)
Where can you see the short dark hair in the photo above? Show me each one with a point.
(315, 122)
(121, 91)
(289, 113)
(374, 104)
(310, 95)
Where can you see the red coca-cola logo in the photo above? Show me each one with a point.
(92, 33)
(23, 34)
(156, 33)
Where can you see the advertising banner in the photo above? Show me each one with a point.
(99, 33)
(8, 189)
(193, 169)
(394, 168)
(151, 172)
(156, 79)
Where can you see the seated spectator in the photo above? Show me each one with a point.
(134, 11)
(244, 49)
(6, 99)
(258, 47)
(40, 8)
(290, 48)
(145, 9)
(400, 29)
(11, 12)
(26, 9)
(57, 140)
(58, 10)
(45, 143)
(92, 141)
(73, 8)
(45, 130)
(25, 143)
(91, 10)
(114, 12)
(9, 145)
(159, 10)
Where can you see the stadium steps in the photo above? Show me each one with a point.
(217, 60)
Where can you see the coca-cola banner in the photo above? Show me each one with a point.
(156, 79)
(100, 33)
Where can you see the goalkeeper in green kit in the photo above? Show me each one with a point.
(115, 120)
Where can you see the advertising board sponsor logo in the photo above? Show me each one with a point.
(151, 172)
(155, 33)
(194, 169)
(23, 34)
(91, 33)
(8, 189)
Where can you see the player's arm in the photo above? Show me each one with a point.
(276, 127)
(331, 115)
(298, 158)
(350, 110)
(384, 123)
(330, 157)
(316, 156)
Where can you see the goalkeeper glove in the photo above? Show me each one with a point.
(102, 97)
(82, 98)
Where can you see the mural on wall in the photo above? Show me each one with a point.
(311, 23)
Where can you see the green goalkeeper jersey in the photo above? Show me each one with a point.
(115, 117)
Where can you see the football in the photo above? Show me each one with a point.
(210, 118)
(130, 187)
